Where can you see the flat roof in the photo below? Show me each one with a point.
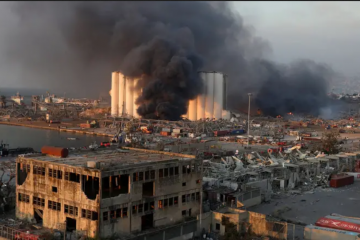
(112, 157)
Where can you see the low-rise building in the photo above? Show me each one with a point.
(109, 192)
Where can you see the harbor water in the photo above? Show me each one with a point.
(36, 138)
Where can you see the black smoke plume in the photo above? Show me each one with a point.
(78, 44)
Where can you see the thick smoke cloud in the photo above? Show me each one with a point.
(77, 44)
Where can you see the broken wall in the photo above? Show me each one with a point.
(155, 196)
(48, 188)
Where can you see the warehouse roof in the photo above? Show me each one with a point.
(111, 157)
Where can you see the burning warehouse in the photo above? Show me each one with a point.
(211, 103)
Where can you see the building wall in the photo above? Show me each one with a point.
(164, 188)
(69, 193)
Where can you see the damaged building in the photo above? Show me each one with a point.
(110, 192)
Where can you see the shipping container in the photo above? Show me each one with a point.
(165, 133)
(238, 131)
(220, 133)
(341, 180)
(166, 129)
(55, 151)
(340, 223)
(174, 134)
(177, 130)
(312, 232)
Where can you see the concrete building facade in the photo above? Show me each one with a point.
(109, 192)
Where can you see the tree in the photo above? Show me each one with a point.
(329, 143)
(7, 175)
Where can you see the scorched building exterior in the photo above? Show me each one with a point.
(210, 104)
(107, 192)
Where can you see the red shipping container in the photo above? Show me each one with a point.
(341, 181)
(165, 133)
(338, 224)
(55, 151)
(220, 133)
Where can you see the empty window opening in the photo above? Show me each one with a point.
(141, 176)
(152, 205)
(171, 171)
(148, 189)
(105, 216)
(152, 174)
(37, 170)
(140, 208)
(183, 198)
(54, 189)
(90, 186)
(217, 227)
(171, 201)
(184, 184)
(113, 186)
(183, 213)
(125, 212)
(89, 214)
(134, 209)
(70, 210)
(184, 169)
(54, 206)
(146, 207)
(135, 177)
(198, 196)
(39, 201)
(53, 173)
(190, 212)
(176, 170)
(112, 214)
(193, 197)
(176, 200)
(72, 177)
(161, 173)
(188, 169)
(165, 202)
(38, 215)
(147, 222)
(70, 224)
(147, 175)
(23, 198)
(166, 172)
(21, 173)
(118, 213)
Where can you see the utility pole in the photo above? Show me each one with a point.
(249, 94)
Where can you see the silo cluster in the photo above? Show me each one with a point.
(123, 95)
(210, 104)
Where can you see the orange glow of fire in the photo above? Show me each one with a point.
(290, 113)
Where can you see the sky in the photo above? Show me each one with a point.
(321, 31)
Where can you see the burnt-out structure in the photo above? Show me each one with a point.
(107, 192)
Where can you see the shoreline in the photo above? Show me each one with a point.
(56, 129)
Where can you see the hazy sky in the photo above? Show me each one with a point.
(322, 31)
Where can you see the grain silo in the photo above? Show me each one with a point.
(210, 104)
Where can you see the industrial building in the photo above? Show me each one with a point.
(210, 104)
(108, 192)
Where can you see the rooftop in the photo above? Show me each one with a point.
(111, 157)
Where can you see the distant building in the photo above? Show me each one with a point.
(107, 192)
